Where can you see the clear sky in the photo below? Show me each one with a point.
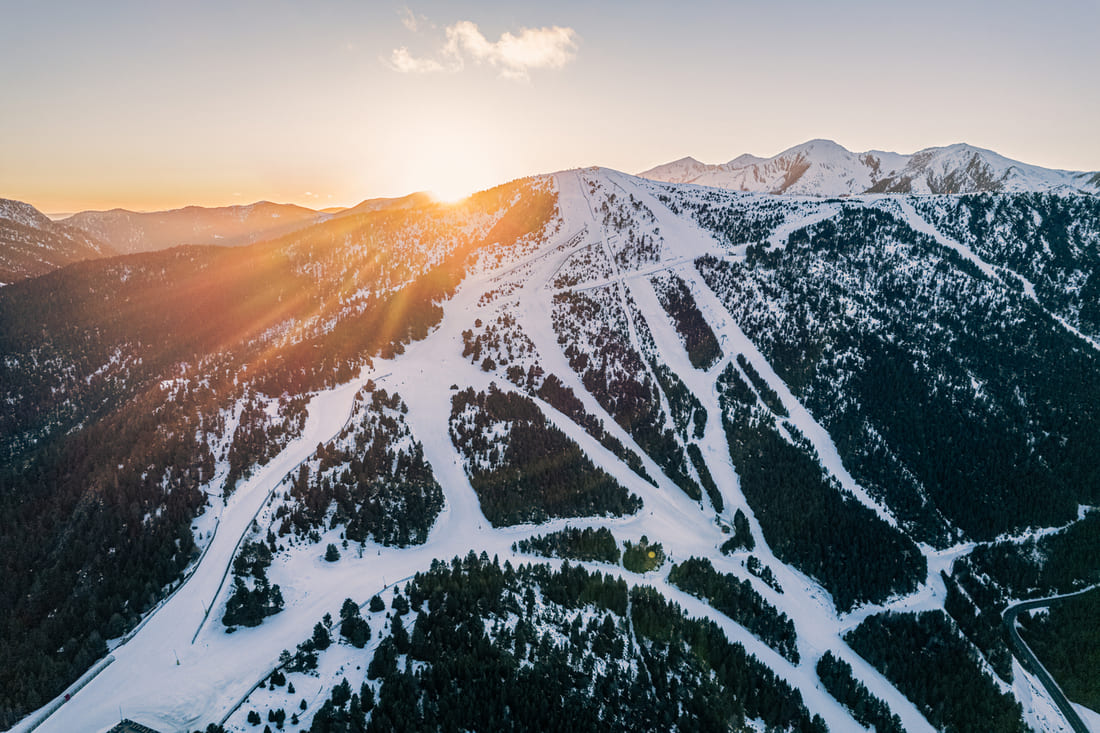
(157, 104)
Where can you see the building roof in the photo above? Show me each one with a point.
(129, 726)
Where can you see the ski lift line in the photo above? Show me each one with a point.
(572, 241)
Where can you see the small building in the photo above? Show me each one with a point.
(129, 726)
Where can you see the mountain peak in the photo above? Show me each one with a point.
(684, 170)
(22, 213)
(32, 245)
(745, 159)
(822, 167)
(819, 146)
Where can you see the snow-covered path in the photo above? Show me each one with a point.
(145, 679)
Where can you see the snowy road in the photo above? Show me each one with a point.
(1022, 652)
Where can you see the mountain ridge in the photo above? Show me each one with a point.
(227, 226)
(825, 168)
(131, 231)
(31, 244)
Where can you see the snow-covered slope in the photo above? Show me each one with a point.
(824, 168)
(745, 365)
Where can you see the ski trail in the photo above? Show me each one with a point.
(145, 678)
(682, 238)
(779, 237)
(735, 340)
(805, 602)
(918, 223)
(739, 342)
(536, 308)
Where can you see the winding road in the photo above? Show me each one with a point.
(1031, 663)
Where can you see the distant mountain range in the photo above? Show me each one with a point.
(31, 244)
(227, 226)
(131, 231)
(824, 168)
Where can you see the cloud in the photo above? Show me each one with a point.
(515, 55)
(409, 19)
(401, 60)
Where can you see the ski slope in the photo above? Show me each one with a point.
(180, 670)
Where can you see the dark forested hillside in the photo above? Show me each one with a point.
(807, 518)
(974, 419)
(931, 663)
(1051, 241)
(120, 377)
(374, 476)
(533, 471)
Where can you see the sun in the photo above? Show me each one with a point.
(452, 174)
(451, 159)
(450, 194)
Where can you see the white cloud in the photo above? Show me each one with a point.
(515, 55)
(401, 60)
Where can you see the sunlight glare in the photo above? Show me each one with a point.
(450, 194)
(453, 161)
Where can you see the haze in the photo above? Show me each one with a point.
(150, 105)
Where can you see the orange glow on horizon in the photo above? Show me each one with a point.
(451, 196)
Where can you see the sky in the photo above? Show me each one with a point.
(157, 104)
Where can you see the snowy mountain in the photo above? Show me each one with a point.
(32, 245)
(585, 450)
(824, 168)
